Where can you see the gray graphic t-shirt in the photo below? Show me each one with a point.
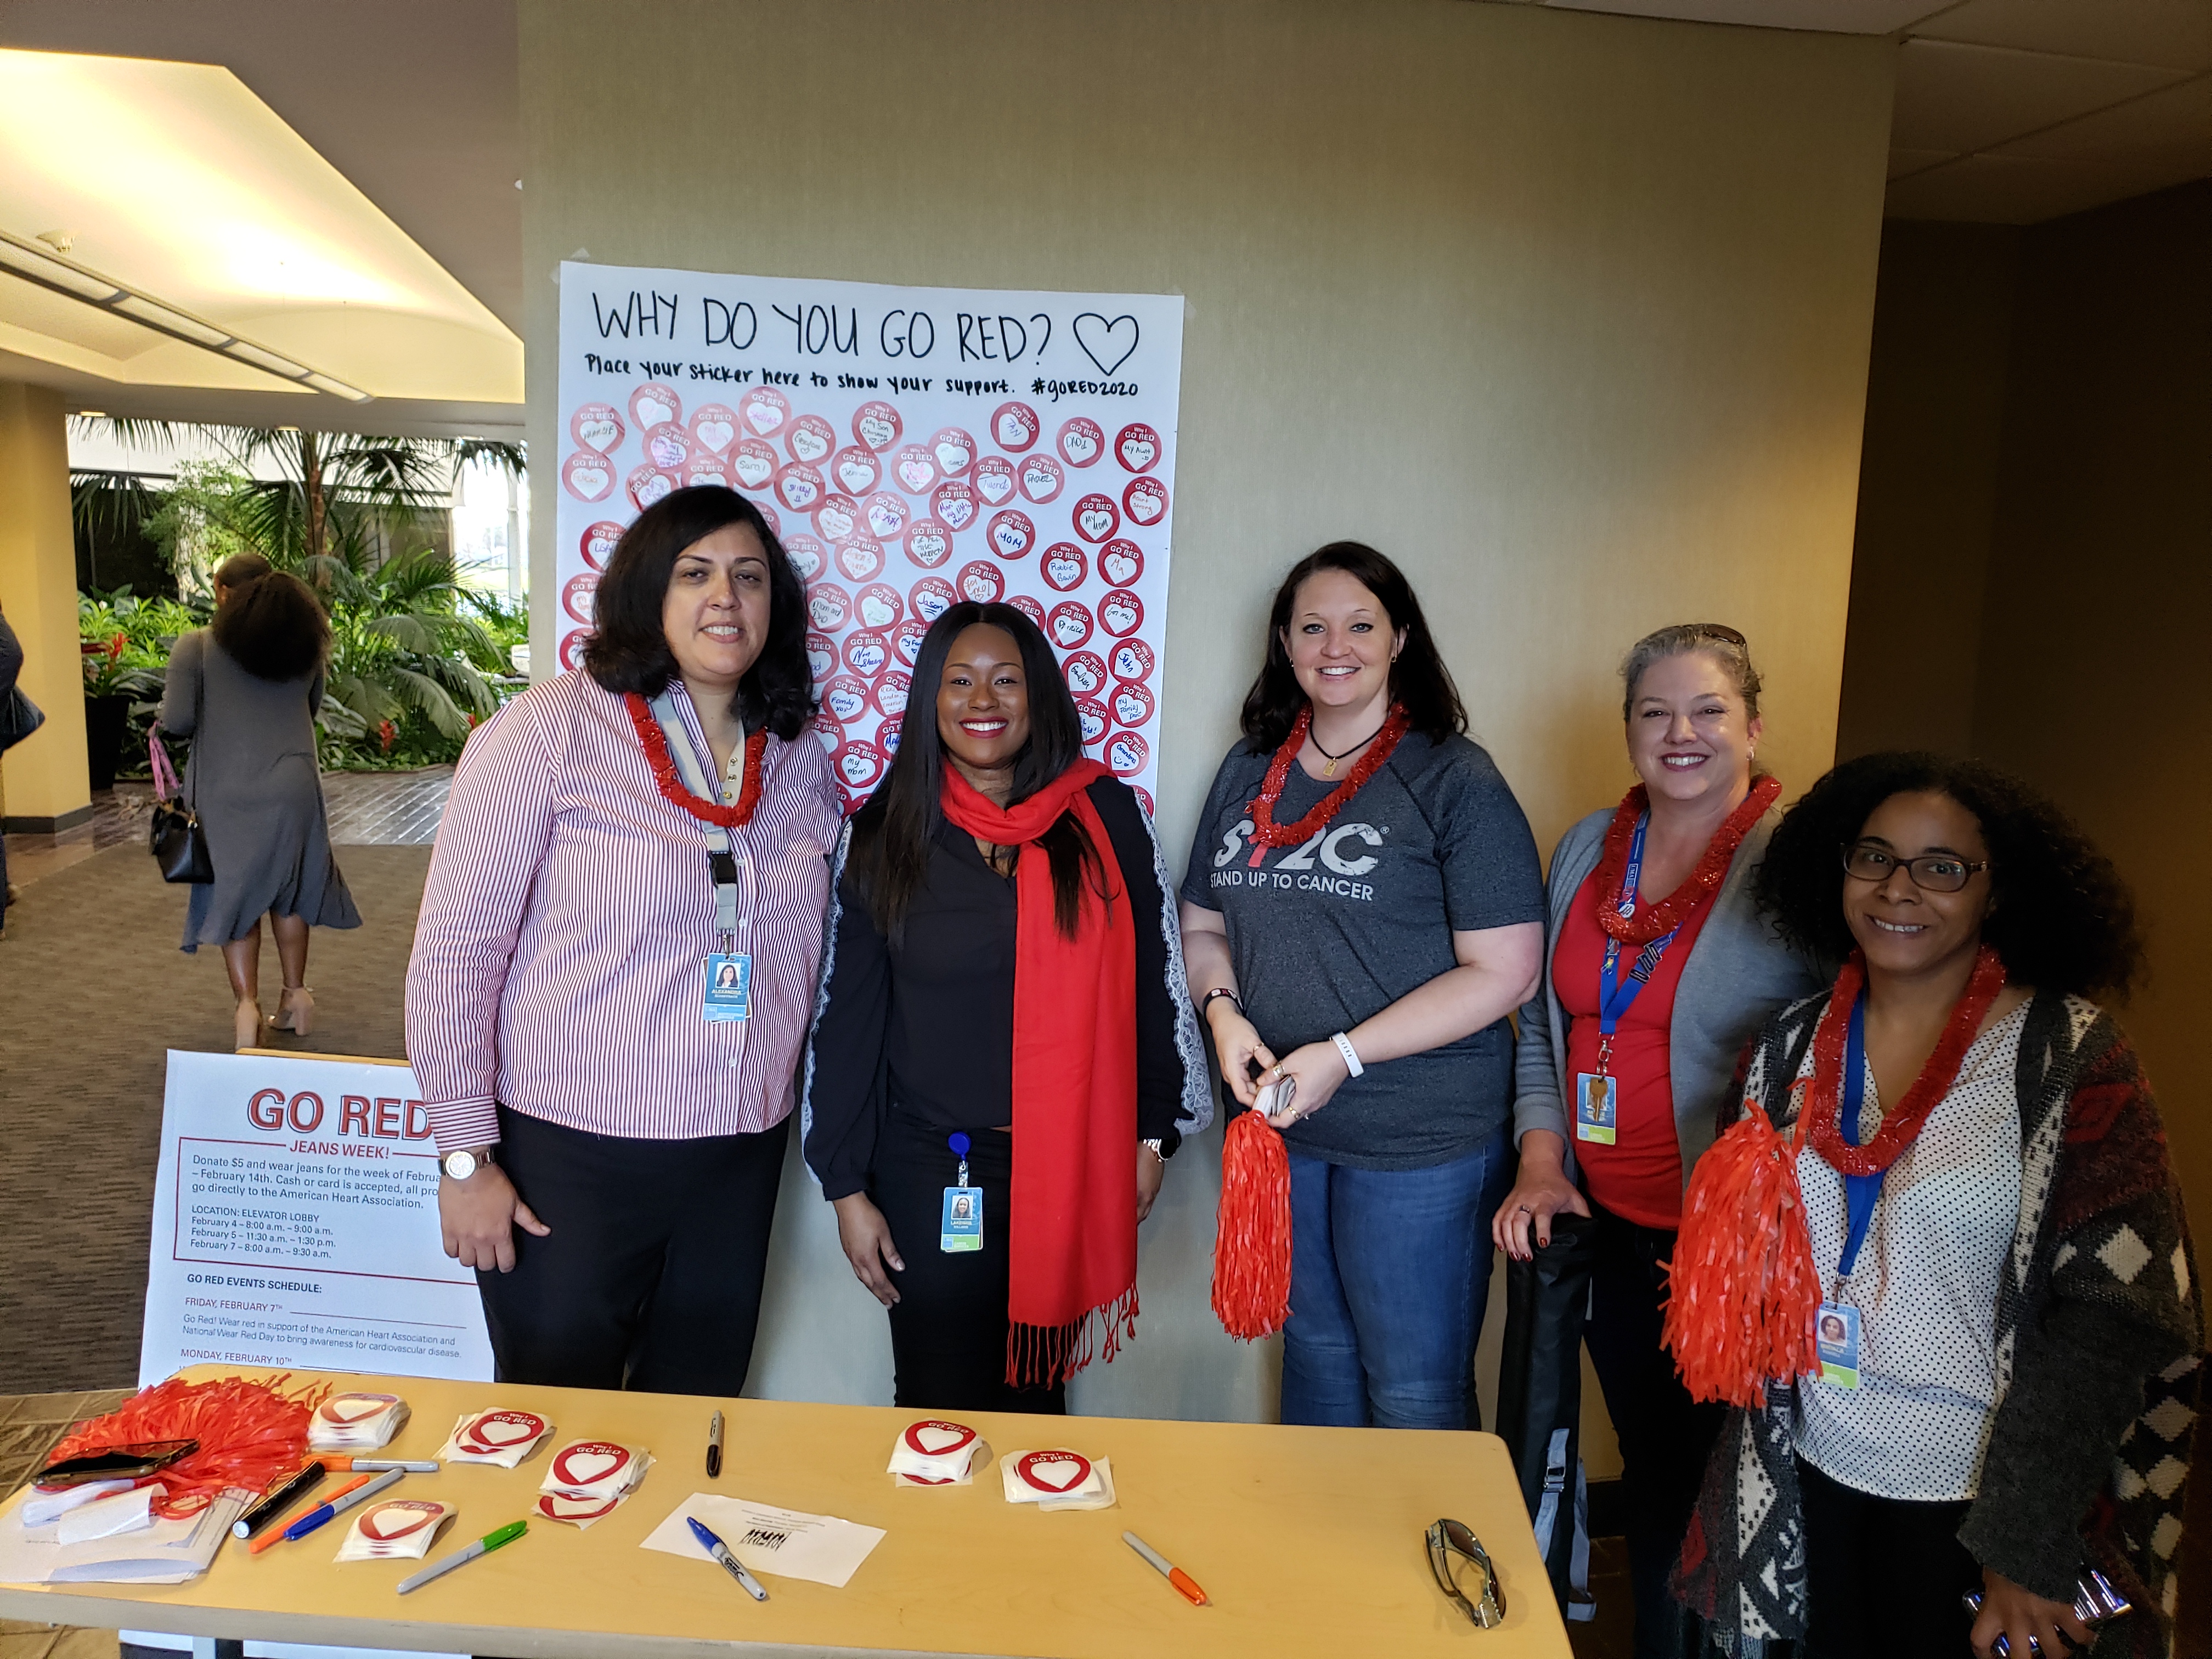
(1328, 934)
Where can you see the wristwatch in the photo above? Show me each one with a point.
(1207, 1001)
(1152, 1142)
(461, 1165)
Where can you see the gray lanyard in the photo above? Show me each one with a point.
(721, 860)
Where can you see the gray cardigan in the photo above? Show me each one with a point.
(1739, 974)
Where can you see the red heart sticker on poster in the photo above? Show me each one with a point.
(886, 515)
(826, 605)
(799, 487)
(993, 479)
(1091, 715)
(554, 1506)
(866, 650)
(860, 557)
(1144, 501)
(597, 546)
(1052, 1472)
(576, 595)
(500, 1430)
(1133, 704)
(1121, 613)
(837, 516)
(764, 409)
(1138, 446)
(653, 402)
(954, 450)
(572, 648)
(1064, 567)
(891, 692)
(1015, 427)
(587, 475)
(753, 461)
(1081, 441)
(1085, 673)
(706, 470)
(878, 606)
(807, 556)
(597, 426)
(934, 1437)
(928, 544)
(1029, 607)
(821, 657)
(930, 598)
(1145, 799)
(668, 446)
(648, 484)
(1096, 518)
(1122, 563)
(1040, 478)
(982, 581)
(715, 428)
(857, 470)
(400, 1518)
(588, 1462)
(352, 1407)
(1012, 534)
(916, 469)
(810, 438)
(876, 424)
(1133, 661)
(953, 504)
(845, 698)
(1069, 625)
(1126, 754)
(907, 637)
(769, 516)
(858, 765)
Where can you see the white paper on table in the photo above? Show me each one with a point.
(165, 1553)
(43, 1509)
(127, 1511)
(787, 1543)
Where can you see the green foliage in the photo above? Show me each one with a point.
(126, 640)
(200, 521)
(405, 662)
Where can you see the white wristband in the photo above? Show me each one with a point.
(1350, 1054)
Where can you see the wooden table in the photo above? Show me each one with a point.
(1309, 1540)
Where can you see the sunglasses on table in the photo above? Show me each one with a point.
(1932, 872)
(1463, 1572)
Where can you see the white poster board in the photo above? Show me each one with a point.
(296, 1224)
(910, 446)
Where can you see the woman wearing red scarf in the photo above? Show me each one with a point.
(1003, 1056)
(1660, 968)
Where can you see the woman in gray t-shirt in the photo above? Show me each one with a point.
(1363, 909)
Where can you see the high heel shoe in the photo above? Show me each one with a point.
(247, 1025)
(296, 1011)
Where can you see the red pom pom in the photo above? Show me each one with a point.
(1251, 1236)
(251, 1435)
(1742, 1292)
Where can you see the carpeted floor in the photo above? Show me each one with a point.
(93, 994)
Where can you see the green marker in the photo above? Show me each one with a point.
(483, 1545)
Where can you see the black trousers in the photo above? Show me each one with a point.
(651, 1278)
(948, 1329)
(1884, 1575)
(1665, 1436)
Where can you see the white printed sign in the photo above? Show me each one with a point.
(296, 1223)
(911, 447)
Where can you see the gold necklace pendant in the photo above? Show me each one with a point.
(1329, 770)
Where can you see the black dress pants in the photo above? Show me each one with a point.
(1885, 1575)
(948, 1329)
(651, 1278)
(1665, 1436)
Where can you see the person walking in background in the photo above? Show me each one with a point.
(11, 669)
(245, 690)
(1994, 1225)
(615, 963)
(1004, 1025)
(1658, 969)
(1362, 910)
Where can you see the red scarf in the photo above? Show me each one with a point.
(1073, 1223)
(1650, 922)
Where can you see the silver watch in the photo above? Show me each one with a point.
(460, 1166)
(1152, 1143)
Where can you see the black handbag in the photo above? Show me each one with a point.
(19, 718)
(178, 843)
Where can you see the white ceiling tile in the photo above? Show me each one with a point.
(1833, 16)
(2172, 33)
(2177, 119)
(1971, 98)
(2014, 190)
(1905, 162)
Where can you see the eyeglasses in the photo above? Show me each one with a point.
(1463, 1572)
(1933, 873)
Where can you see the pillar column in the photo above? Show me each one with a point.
(44, 782)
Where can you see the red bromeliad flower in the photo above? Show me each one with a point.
(116, 645)
(386, 735)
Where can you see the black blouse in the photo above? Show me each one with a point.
(930, 1024)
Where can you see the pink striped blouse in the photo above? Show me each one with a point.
(557, 965)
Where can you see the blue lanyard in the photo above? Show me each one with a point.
(1859, 1191)
(1614, 999)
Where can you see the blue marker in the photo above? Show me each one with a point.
(715, 1547)
(314, 1518)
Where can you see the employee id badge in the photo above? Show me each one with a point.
(729, 988)
(1836, 1335)
(962, 1225)
(1597, 1107)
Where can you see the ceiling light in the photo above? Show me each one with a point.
(26, 258)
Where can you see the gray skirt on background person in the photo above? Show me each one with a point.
(254, 780)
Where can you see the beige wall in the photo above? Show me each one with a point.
(45, 777)
(1569, 313)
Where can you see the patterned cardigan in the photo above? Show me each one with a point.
(2099, 1340)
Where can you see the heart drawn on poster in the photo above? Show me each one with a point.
(916, 470)
(821, 657)
(806, 554)
(845, 698)
(886, 515)
(1145, 500)
(1064, 567)
(857, 470)
(599, 543)
(929, 543)
(1029, 607)
(1133, 661)
(1085, 673)
(1106, 343)
(1138, 446)
(713, 427)
(587, 475)
(597, 426)
(764, 409)
(836, 516)
(1082, 441)
(930, 597)
(1069, 624)
(1096, 518)
(954, 450)
(880, 606)
(653, 402)
(982, 581)
(866, 653)
(1052, 1472)
(860, 557)
(1121, 562)
(993, 479)
(753, 461)
(1091, 716)
(1121, 613)
(810, 438)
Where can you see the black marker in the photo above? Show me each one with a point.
(714, 1448)
(269, 1507)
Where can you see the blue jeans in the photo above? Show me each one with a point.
(1389, 1274)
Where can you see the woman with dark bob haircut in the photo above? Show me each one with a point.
(615, 962)
(245, 690)
(1363, 909)
(2009, 1329)
(1005, 1055)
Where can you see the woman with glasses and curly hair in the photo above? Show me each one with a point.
(2008, 1327)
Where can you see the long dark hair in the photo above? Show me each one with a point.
(893, 833)
(2060, 915)
(269, 623)
(1418, 679)
(629, 650)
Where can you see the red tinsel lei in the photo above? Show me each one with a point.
(1651, 920)
(1902, 1122)
(251, 1434)
(671, 786)
(1265, 832)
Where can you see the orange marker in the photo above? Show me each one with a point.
(275, 1534)
(1186, 1586)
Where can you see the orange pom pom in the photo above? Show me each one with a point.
(1742, 1291)
(251, 1435)
(1251, 1236)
